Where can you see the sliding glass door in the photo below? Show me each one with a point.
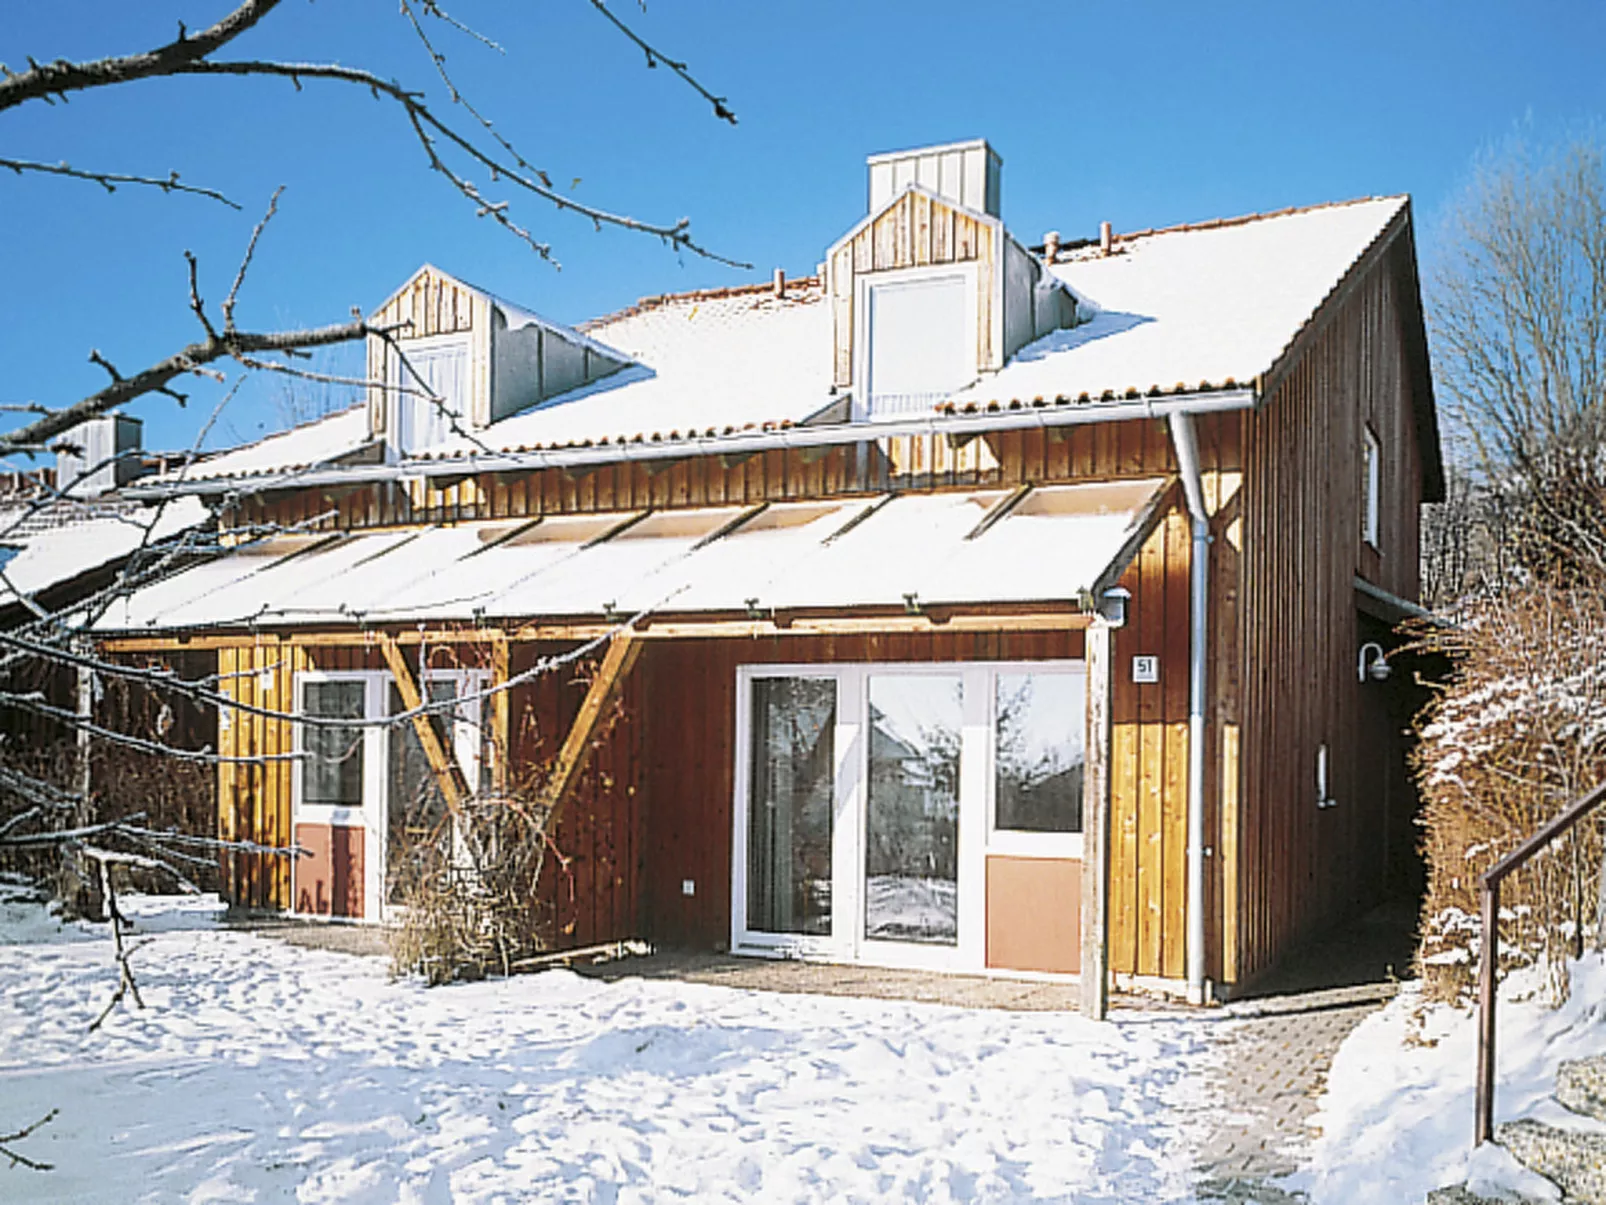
(869, 796)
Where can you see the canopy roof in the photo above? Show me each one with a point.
(906, 551)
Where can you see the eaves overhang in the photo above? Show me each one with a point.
(1015, 416)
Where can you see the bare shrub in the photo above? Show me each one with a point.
(1517, 734)
(467, 881)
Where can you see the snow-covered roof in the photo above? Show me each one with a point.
(1189, 309)
(709, 363)
(309, 445)
(897, 551)
(41, 554)
(1185, 310)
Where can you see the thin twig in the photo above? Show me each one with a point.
(110, 180)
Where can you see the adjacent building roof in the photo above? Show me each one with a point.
(47, 549)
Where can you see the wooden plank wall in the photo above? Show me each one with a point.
(691, 756)
(589, 885)
(1149, 731)
(590, 888)
(430, 304)
(1136, 448)
(1305, 869)
(915, 231)
(254, 798)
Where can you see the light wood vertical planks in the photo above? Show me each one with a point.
(1095, 901)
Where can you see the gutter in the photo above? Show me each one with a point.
(1187, 449)
(1027, 417)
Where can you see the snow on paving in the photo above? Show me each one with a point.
(262, 1071)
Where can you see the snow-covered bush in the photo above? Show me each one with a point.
(1518, 732)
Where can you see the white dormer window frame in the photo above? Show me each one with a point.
(866, 283)
(398, 403)
(1371, 485)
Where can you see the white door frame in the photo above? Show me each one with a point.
(978, 835)
(373, 817)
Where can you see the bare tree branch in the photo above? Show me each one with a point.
(424, 120)
(110, 180)
(654, 57)
(49, 81)
(20, 1160)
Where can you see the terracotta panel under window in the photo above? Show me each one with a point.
(329, 879)
(1034, 914)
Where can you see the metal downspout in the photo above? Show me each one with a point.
(1187, 449)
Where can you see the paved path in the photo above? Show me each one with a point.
(1272, 1069)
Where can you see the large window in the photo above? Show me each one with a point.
(869, 797)
(789, 805)
(375, 778)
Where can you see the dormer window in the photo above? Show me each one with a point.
(918, 339)
(441, 366)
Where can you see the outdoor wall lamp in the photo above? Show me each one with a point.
(1372, 661)
(1112, 607)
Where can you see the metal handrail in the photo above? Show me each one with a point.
(1487, 972)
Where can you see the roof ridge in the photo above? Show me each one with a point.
(647, 304)
(1246, 218)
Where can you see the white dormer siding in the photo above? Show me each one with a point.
(929, 292)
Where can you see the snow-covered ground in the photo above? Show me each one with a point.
(261, 1072)
(1396, 1118)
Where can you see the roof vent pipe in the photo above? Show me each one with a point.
(1051, 245)
(1106, 238)
(780, 282)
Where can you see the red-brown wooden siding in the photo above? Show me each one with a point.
(1305, 868)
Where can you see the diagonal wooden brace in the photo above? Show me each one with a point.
(448, 774)
(576, 751)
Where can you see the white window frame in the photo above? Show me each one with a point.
(1371, 485)
(1019, 842)
(978, 836)
(374, 814)
(865, 283)
(400, 378)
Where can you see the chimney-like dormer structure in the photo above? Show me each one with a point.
(929, 291)
(969, 174)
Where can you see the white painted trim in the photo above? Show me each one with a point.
(866, 282)
(374, 815)
(370, 816)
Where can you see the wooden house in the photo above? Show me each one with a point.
(972, 605)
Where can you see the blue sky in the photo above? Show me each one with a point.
(1141, 114)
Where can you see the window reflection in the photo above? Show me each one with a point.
(1039, 752)
(912, 821)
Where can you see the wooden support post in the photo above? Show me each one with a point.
(576, 751)
(500, 718)
(448, 775)
(1096, 825)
